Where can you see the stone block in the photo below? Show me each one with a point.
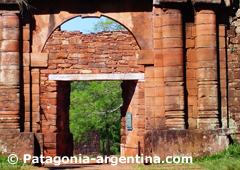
(10, 21)
(10, 46)
(149, 72)
(17, 143)
(176, 71)
(206, 29)
(174, 100)
(159, 101)
(26, 46)
(145, 57)
(10, 34)
(159, 82)
(149, 92)
(191, 73)
(26, 34)
(206, 74)
(157, 21)
(206, 54)
(35, 77)
(149, 100)
(207, 64)
(35, 106)
(71, 71)
(191, 55)
(158, 58)
(158, 72)
(172, 17)
(149, 82)
(211, 140)
(221, 30)
(159, 111)
(207, 90)
(172, 43)
(26, 59)
(26, 76)
(193, 91)
(174, 90)
(205, 19)
(10, 77)
(206, 41)
(35, 89)
(190, 43)
(64, 65)
(150, 111)
(222, 42)
(157, 33)
(208, 103)
(39, 59)
(159, 91)
(173, 57)
(172, 31)
(158, 43)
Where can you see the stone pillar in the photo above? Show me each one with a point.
(9, 76)
(207, 69)
(173, 68)
(157, 81)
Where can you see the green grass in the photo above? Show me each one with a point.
(229, 159)
(5, 165)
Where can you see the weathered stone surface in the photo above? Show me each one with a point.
(113, 56)
(17, 143)
(174, 142)
(145, 56)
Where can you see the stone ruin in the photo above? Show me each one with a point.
(178, 60)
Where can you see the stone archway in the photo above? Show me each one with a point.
(73, 56)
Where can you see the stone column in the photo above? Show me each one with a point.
(9, 76)
(206, 46)
(173, 68)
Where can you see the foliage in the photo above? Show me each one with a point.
(105, 24)
(5, 165)
(95, 105)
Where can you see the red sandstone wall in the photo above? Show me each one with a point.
(77, 53)
(233, 59)
(187, 84)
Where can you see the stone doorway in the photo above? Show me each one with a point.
(131, 92)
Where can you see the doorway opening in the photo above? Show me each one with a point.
(95, 116)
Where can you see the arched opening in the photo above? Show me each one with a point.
(104, 53)
(90, 24)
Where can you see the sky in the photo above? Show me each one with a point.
(79, 24)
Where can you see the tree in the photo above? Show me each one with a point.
(95, 105)
(105, 24)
